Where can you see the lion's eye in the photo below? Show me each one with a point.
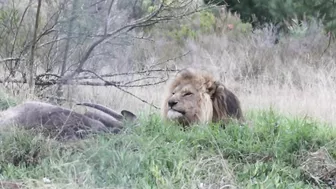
(187, 94)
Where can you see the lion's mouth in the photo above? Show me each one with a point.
(179, 111)
(175, 114)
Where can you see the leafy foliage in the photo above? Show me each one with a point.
(260, 12)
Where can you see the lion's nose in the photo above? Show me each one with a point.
(172, 103)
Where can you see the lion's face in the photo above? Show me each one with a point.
(188, 101)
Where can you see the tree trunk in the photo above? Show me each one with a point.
(31, 81)
(59, 90)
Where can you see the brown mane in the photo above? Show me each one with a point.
(225, 104)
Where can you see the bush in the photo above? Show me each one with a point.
(261, 12)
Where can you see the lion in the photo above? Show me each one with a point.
(195, 96)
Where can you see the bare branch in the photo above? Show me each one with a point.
(74, 71)
(56, 40)
(18, 28)
(138, 23)
(107, 18)
(10, 59)
(83, 60)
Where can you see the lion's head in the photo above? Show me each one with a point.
(195, 96)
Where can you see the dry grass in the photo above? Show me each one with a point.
(294, 77)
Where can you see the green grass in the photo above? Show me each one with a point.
(160, 155)
(6, 101)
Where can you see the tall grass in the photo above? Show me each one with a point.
(161, 155)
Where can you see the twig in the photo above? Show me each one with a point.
(329, 42)
(137, 80)
(142, 100)
(128, 73)
(171, 59)
(146, 85)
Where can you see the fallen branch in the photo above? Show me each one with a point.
(83, 83)
(54, 82)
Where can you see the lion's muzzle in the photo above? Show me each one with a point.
(172, 103)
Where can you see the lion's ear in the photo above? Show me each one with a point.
(185, 73)
(211, 87)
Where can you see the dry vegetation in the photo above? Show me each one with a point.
(296, 76)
